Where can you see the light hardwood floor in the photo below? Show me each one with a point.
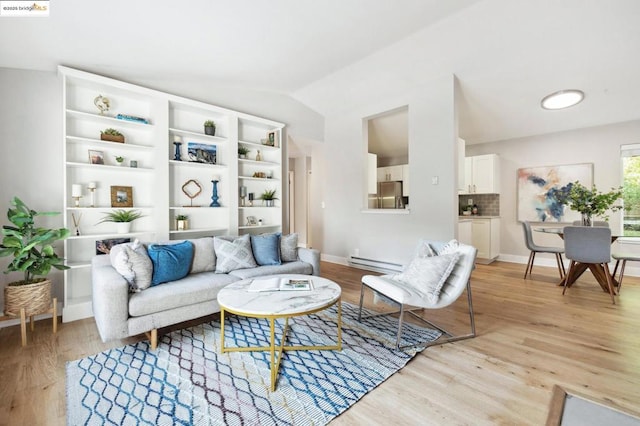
(530, 338)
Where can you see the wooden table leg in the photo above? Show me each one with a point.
(23, 326)
(577, 271)
(598, 272)
(55, 315)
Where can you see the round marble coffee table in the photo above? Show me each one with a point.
(273, 305)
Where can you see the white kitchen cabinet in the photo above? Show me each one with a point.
(485, 237)
(482, 174)
(389, 173)
(465, 232)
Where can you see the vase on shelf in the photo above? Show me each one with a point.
(123, 227)
(586, 219)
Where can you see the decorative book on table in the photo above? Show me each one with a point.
(280, 284)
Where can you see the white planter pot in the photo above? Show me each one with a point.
(123, 227)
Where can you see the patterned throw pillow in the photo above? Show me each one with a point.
(233, 255)
(170, 261)
(289, 247)
(428, 274)
(133, 263)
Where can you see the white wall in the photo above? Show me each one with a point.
(598, 145)
(31, 161)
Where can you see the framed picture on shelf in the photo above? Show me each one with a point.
(104, 246)
(201, 153)
(251, 221)
(96, 157)
(121, 196)
(271, 138)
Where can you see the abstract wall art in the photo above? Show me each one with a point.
(541, 189)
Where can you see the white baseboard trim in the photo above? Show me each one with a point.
(334, 259)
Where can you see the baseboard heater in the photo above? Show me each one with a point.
(374, 265)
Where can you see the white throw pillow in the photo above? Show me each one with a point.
(133, 263)
(233, 255)
(428, 274)
(450, 247)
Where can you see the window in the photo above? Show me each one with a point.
(631, 189)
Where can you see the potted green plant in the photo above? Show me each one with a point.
(591, 202)
(209, 128)
(111, 135)
(119, 160)
(182, 222)
(268, 197)
(33, 255)
(242, 151)
(122, 218)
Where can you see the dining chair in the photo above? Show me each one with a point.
(623, 257)
(534, 248)
(588, 245)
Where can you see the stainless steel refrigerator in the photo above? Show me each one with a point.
(390, 195)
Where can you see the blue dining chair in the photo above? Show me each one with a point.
(588, 245)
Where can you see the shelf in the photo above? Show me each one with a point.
(107, 235)
(256, 178)
(107, 209)
(259, 226)
(261, 163)
(78, 265)
(258, 207)
(258, 144)
(111, 121)
(191, 231)
(215, 139)
(196, 208)
(194, 164)
(108, 144)
(106, 166)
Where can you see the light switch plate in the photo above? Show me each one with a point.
(434, 180)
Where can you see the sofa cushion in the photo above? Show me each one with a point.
(192, 289)
(204, 255)
(289, 247)
(133, 263)
(170, 261)
(266, 249)
(298, 267)
(233, 255)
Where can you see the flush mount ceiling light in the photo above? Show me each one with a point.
(562, 99)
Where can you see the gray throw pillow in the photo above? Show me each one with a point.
(204, 255)
(289, 247)
(133, 263)
(233, 255)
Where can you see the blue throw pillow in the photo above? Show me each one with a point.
(170, 262)
(266, 249)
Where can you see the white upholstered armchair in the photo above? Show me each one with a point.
(435, 264)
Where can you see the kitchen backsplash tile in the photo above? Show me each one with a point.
(488, 204)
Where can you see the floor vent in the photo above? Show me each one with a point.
(374, 265)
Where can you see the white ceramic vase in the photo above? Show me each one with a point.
(123, 227)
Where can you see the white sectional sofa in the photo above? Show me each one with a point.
(120, 312)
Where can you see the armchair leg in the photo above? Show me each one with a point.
(153, 338)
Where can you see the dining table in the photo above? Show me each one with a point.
(596, 268)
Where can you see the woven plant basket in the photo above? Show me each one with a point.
(34, 298)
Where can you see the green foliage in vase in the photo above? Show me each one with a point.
(119, 159)
(121, 216)
(269, 194)
(209, 123)
(182, 217)
(591, 201)
(30, 246)
(243, 150)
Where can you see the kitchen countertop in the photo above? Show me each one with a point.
(471, 217)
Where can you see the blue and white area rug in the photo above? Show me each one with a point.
(187, 381)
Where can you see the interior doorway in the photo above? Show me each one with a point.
(299, 199)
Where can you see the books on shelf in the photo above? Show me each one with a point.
(132, 118)
(280, 284)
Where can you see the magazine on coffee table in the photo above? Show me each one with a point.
(280, 284)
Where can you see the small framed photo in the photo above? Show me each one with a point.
(96, 157)
(104, 246)
(201, 153)
(121, 196)
(252, 221)
(271, 138)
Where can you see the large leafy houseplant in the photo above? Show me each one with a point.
(30, 246)
(591, 202)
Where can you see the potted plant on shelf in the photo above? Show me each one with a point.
(209, 128)
(268, 197)
(591, 202)
(111, 135)
(182, 222)
(119, 160)
(242, 151)
(33, 255)
(122, 218)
